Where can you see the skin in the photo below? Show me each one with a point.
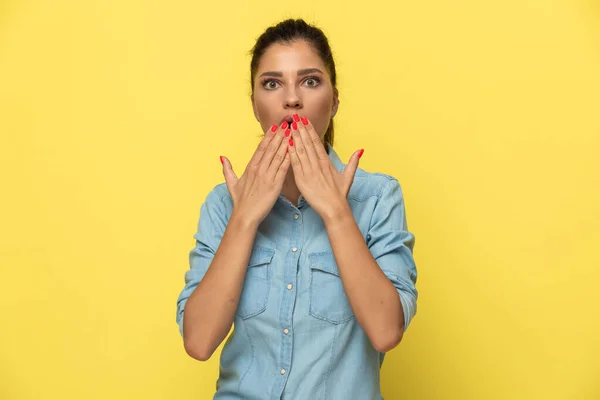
(291, 161)
(292, 78)
(282, 85)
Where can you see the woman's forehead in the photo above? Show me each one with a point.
(290, 58)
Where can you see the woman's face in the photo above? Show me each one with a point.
(293, 79)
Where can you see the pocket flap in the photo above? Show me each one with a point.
(260, 255)
(324, 261)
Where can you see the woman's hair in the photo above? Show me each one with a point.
(287, 32)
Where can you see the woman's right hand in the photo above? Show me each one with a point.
(256, 191)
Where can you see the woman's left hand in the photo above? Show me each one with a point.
(322, 185)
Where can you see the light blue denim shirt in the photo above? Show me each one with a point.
(295, 336)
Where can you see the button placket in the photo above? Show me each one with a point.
(287, 332)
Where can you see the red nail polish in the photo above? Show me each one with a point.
(360, 153)
(305, 120)
(296, 117)
(291, 142)
(294, 125)
(287, 132)
(221, 158)
(284, 125)
(274, 128)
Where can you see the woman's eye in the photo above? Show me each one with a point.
(311, 82)
(270, 85)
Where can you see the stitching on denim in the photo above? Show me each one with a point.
(328, 373)
(251, 359)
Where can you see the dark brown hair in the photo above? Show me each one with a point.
(287, 32)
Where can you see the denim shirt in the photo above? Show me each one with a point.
(295, 336)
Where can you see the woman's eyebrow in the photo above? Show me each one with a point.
(304, 71)
(307, 71)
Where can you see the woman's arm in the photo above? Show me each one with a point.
(373, 298)
(378, 275)
(211, 308)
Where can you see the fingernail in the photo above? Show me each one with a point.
(296, 117)
(291, 142)
(274, 128)
(221, 158)
(295, 125)
(360, 153)
(287, 132)
(284, 125)
(305, 120)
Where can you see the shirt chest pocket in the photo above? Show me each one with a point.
(328, 300)
(255, 291)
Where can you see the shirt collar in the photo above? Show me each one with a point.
(335, 159)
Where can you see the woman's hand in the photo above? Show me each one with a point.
(256, 191)
(322, 185)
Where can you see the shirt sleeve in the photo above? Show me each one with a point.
(392, 246)
(211, 227)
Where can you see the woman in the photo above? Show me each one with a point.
(309, 258)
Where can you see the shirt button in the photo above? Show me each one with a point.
(289, 286)
(286, 331)
(294, 249)
(283, 372)
(296, 216)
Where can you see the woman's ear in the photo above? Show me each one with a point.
(336, 102)
(254, 107)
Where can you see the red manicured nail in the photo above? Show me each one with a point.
(295, 125)
(274, 128)
(291, 142)
(296, 117)
(221, 158)
(284, 125)
(305, 120)
(287, 132)
(360, 153)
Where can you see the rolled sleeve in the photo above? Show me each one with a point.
(211, 226)
(392, 246)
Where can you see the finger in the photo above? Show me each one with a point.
(272, 149)
(294, 159)
(263, 145)
(279, 156)
(352, 166)
(300, 147)
(283, 169)
(230, 176)
(316, 139)
(307, 143)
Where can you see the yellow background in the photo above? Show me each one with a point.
(113, 115)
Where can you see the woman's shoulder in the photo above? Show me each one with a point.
(366, 184)
(371, 184)
(218, 197)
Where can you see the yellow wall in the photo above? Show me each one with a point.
(112, 118)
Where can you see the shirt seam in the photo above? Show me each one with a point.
(381, 193)
(251, 358)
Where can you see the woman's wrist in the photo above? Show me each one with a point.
(242, 221)
(339, 212)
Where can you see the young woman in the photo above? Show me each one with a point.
(309, 258)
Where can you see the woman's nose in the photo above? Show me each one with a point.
(292, 100)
